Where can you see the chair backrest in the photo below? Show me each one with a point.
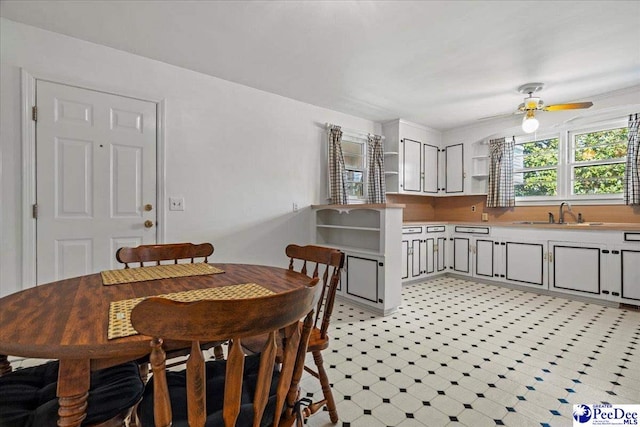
(329, 263)
(166, 252)
(232, 320)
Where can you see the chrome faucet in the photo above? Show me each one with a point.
(561, 217)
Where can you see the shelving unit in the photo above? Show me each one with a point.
(391, 173)
(369, 235)
(480, 168)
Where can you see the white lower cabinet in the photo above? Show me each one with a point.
(487, 256)
(461, 255)
(364, 278)
(423, 251)
(624, 283)
(464, 257)
(441, 253)
(577, 267)
(595, 264)
(522, 262)
(630, 274)
(525, 262)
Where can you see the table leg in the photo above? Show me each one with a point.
(5, 365)
(74, 379)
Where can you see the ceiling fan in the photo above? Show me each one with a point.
(532, 104)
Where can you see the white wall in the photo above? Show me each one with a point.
(240, 157)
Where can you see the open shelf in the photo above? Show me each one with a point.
(344, 227)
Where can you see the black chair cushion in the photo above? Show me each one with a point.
(29, 395)
(215, 374)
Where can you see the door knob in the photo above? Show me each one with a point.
(148, 207)
(148, 223)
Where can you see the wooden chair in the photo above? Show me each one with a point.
(29, 396)
(165, 252)
(238, 391)
(157, 255)
(315, 261)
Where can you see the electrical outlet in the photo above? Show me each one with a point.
(473, 208)
(176, 203)
(295, 207)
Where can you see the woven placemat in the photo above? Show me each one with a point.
(168, 271)
(120, 311)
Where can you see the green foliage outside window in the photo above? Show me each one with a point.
(535, 155)
(597, 146)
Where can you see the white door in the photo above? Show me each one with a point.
(96, 178)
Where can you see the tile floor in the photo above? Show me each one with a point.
(461, 353)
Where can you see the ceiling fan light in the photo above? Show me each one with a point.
(530, 123)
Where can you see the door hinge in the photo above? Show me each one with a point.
(34, 113)
(34, 211)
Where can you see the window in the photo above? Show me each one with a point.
(598, 161)
(535, 168)
(578, 164)
(354, 151)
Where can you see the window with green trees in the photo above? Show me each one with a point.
(535, 171)
(598, 161)
(582, 163)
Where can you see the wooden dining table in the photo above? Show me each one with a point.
(68, 320)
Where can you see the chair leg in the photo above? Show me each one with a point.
(144, 375)
(218, 352)
(326, 387)
(5, 365)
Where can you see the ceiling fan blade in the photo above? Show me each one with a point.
(570, 106)
(501, 116)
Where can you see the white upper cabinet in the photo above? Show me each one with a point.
(454, 169)
(411, 158)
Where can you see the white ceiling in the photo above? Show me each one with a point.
(443, 64)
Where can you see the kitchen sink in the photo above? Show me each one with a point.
(531, 222)
(566, 224)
